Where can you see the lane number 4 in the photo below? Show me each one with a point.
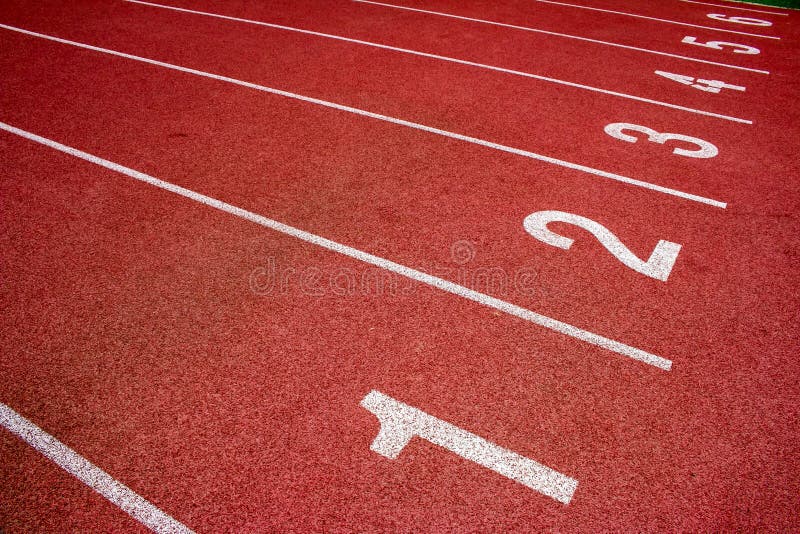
(709, 86)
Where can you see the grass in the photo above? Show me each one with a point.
(780, 3)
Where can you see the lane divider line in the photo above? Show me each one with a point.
(659, 20)
(556, 34)
(426, 54)
(402, 50)
(393, 120)
(397, 49)
(408, 272)
(76, 465)
(737, 7)
(512, 72)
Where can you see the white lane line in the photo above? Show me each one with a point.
(425, 54)
(416, 52)
(736, 7)
(565, 35)
(413, 274)
(401, 422)
(76, 465)
(393, 120)
(659, 20)
(434, 56)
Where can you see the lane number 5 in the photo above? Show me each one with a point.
(659, 266)
(720, 45)
(704, 148)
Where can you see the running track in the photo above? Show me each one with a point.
(276, 266)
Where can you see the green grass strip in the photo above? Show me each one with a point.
(795, 4)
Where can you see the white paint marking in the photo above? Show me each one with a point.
(721, 45)
(70, 461)
(567, 36)
(448, 59)
(659, 20)
(709, 86)
(401, 422)
(704, 148)
(393, 49)
(747, 21)
(393, 120)
(659, 266)
(735, 7)
(419, 276)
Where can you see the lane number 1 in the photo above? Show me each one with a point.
(401, 422)
(659, 266)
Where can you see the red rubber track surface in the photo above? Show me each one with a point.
(132, 332)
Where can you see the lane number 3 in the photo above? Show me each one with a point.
(659, 266)
(704, 148)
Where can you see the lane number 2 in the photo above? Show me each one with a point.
(659, 266)
(740, 20)
(704, 148)
(721, 45)
(709, 86)
(401, 422)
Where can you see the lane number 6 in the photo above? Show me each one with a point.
(704, 148)
(740, 20)
(659, 266)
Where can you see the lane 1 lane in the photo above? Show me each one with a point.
(240, 411)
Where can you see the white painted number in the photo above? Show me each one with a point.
(709, 86)
(720, 45)
(704, 148)
(401, 422)
(740, 20)
(659, 266)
